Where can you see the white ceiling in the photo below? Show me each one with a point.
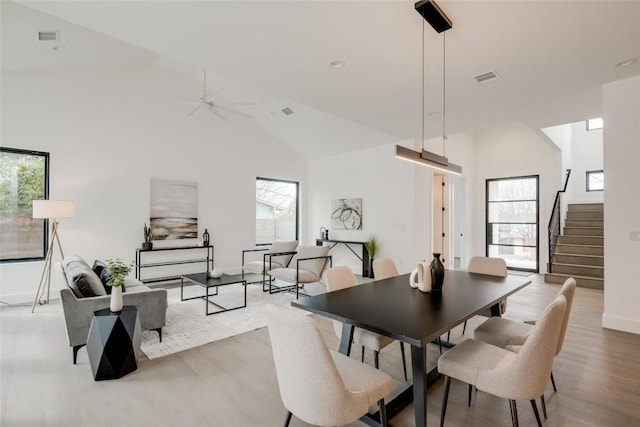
(553, 56)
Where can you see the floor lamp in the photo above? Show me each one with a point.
(50, 209)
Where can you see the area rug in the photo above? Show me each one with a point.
(187, 325)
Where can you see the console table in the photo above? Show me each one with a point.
(163, 257)
(364, 257)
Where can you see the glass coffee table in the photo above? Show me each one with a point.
(208, 283)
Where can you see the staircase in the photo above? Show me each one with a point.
(580, 249)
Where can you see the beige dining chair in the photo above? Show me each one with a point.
(511, 334)
(491, 267)
(503, 373)
(320, 387)
(340, 278)
(383, 268)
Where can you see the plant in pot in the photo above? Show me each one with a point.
(372, 248)
(119, 271)
(148, 235)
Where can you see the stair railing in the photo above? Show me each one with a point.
(554, 222)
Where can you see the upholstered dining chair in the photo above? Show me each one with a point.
(340, 278)
(383, 268)
(503, 373)
(511, 334)
(491, 267)
(318, 386)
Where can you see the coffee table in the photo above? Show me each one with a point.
(208, 283)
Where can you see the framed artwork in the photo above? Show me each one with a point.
(346, 214)
(174, 209)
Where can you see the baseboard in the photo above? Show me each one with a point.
(621, 323)
(25, 298)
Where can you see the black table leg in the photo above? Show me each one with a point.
(347, 337)
(419, 367)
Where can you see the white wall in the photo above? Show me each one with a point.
(621, 106)
(387, 188)
(586, 155)
(514, 150)
(108, 132)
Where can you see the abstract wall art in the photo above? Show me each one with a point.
(174, 209)
(346, 214)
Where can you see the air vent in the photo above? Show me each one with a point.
(489, 76)
(288, 111)
(48, 35)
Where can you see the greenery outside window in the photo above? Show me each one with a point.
(24, 177)
(595, 180)
(276, 210)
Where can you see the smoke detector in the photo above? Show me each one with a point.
(486, 77)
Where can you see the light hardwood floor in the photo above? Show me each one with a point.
(232, 382)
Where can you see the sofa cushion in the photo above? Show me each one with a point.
(282, 246)
(82, 280)
(316, 266)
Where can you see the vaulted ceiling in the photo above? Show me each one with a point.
(552, 56)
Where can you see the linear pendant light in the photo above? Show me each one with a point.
(431, 13)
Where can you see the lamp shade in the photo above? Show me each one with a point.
(53, 208)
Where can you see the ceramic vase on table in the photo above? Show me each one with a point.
(437, 273)
(115, 304)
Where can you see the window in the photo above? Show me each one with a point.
(595, 180)
(276, 210)
(24, 177)
(513, 221)
(593, 124)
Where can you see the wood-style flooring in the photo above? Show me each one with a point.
(233, 383)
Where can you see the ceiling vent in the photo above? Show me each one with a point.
(489, 76)
(48, 35)
(287, 111)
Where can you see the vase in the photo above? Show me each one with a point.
(371, 268)
(437, 273)
(116, 299)
(147, 246)
(216, 273)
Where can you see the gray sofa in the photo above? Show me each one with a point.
(78, 312)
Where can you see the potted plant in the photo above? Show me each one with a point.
(372, 248)
(119, 271)
(148, 235)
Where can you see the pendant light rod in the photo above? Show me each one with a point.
(444, 93)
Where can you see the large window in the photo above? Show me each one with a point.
(24, 177)
(276, 210)
(512, 221)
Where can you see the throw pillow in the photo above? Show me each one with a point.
(104, 273)
(81, 278)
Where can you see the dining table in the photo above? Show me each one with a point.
(393, 308)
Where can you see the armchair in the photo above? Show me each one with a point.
(306, 266)
(277, 256)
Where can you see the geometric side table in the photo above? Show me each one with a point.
(113, 343)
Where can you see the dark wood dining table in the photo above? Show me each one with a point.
(391, 307)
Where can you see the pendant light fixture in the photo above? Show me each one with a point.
(431, 13)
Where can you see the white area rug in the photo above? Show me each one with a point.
(188, 326)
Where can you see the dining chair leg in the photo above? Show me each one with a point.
(383, 412)
(287, 420)
(514, 413)
(553, 382)
(535, 411)
(376, 359)
(464, 327)
(544, 407)
(469, 397)
(445, 398)
(404, 361)
(448, 336)
(440, 344)
(362, 359)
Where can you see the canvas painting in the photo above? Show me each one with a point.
(346, 214)
(174, 209)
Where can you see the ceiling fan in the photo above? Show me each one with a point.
(209, 102)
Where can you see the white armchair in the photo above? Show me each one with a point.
(306, 266)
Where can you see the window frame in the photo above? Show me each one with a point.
(297, 222)
(587, 174)
(45, 240)
(589, 125)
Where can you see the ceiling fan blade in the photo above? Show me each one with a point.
(230, 110)
(216, 93)
(235, 103)
(194, 110)
(217, 114)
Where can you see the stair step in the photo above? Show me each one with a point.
(579, 249)
(578, 270)
(581, 240)
(581, 281)
(583, 231)
(579, 259)
(574, 207)
(585, 215)
(599, 223)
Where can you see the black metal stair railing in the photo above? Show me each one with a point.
(554, 222)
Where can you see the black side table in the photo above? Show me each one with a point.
(113, 344)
